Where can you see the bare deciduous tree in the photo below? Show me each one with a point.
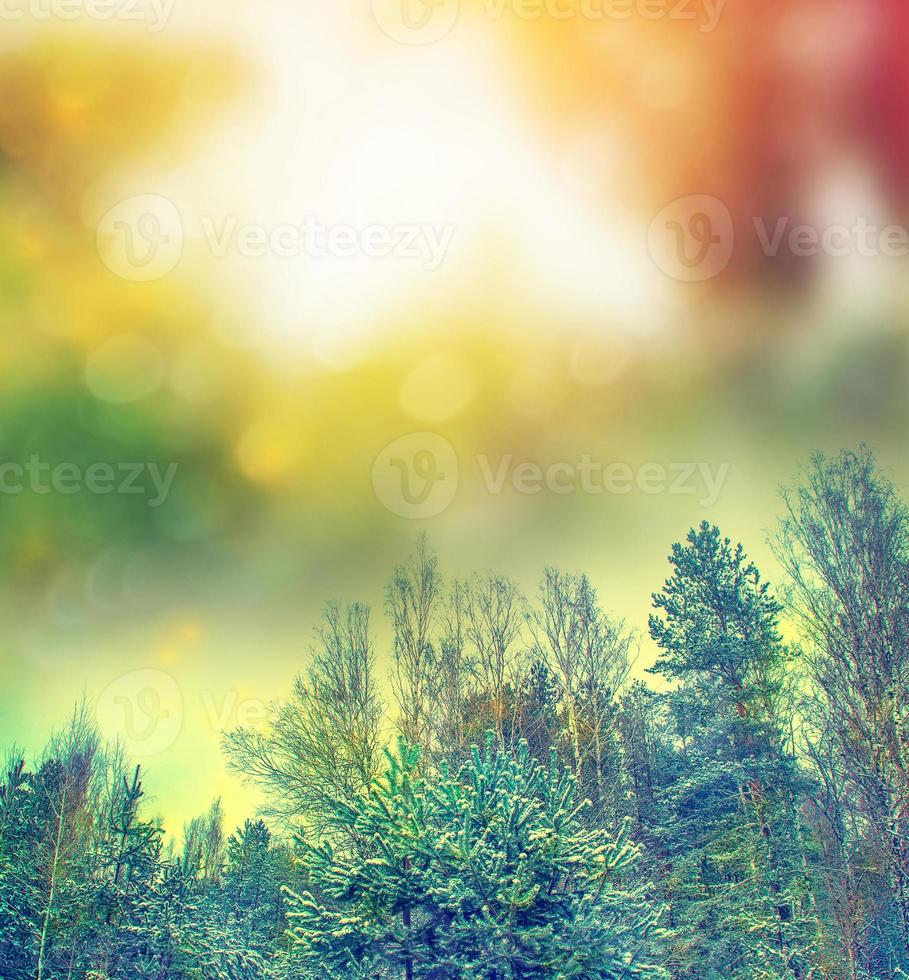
(591, 656)
(455, 676)
(324, 741)
(845, 544)
(412, 602)
(495, 613)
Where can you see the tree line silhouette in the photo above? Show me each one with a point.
(527, 805)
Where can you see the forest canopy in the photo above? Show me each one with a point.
(527, 805)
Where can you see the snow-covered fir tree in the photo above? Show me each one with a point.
(487, 872)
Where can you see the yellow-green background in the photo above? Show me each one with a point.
(547, 333)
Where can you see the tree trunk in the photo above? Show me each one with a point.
(58, 843)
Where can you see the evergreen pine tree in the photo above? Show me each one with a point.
(489, 872)
(737, 882)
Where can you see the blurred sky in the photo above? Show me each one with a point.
(570, 211)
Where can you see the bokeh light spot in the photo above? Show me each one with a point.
(438, 388)
(124, 369)
(268, 450)
(596, 361)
